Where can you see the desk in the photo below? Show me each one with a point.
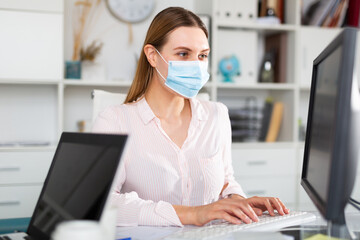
(306, 230)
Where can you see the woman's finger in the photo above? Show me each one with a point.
(258, 211)
(286, 210)
(268, 206)
(277, 205)
(226, 216)
(247, 209)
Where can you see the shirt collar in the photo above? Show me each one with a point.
(146, 114)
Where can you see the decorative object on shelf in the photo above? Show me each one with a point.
(277, 43)
(271, 11)
(85, 14)
(84, 125)
(267, 73)
(92, 69)
(229, 67)
(73, 69)
(131, 11)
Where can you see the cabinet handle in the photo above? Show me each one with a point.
(257, 163)
(9, 202)
(256, 192)
(8, 169)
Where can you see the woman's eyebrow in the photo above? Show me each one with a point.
(185, 48)
(188, 49)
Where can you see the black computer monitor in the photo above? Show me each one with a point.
(330, 155)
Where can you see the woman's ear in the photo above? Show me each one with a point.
(150, 53)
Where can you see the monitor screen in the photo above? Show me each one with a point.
(78, 183)
(323, 123)
(331, 145)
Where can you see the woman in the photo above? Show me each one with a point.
(177, 167)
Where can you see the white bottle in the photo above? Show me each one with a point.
(78, 230)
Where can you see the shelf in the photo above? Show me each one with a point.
(30, 81)
(265, 86)
(28, 148)
(257, 27)
(262, 145)
(103, 83)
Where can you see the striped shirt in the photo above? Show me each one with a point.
(156, 174)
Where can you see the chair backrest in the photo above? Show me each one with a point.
(103, 99)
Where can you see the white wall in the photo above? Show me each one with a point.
(118, 56)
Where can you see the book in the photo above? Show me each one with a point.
(275, 122)
(353, 13)
(278, 44)
(265, 122)
(322, 10)
(337, 15)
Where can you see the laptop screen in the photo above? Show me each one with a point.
(78, 182)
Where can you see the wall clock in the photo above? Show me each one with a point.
(131, 11)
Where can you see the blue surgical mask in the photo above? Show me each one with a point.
(185, 77)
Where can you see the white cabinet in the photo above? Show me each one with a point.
(31, 45)
(18, 201)
(22, 174)
(28, 167)
(266, 171)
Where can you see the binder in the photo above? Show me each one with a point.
(275, 122)
(266, 119)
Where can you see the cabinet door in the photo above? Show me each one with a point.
(282, 187)
(264, 162)
(31, 45)
(18, 201)
(24, 167)
(312, 42)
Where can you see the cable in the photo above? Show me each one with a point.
(355, 205)
(354, 201)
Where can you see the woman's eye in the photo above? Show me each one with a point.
(203, 56)
(182, 54)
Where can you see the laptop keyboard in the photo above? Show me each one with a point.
(9, 238)
(5, 238)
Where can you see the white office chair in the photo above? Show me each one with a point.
(103, 99)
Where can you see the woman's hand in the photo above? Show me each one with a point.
(235, 209)
(261, 204)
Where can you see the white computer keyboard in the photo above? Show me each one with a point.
(266, 223)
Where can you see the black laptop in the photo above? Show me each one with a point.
(78, 183)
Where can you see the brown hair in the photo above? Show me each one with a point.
(164, 22)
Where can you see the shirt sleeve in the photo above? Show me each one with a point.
(132, 210)
(233, 187)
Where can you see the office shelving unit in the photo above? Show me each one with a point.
(39, 107)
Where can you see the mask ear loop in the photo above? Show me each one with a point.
(161, 56)
(164, 61)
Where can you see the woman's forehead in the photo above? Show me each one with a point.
(190, 37)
